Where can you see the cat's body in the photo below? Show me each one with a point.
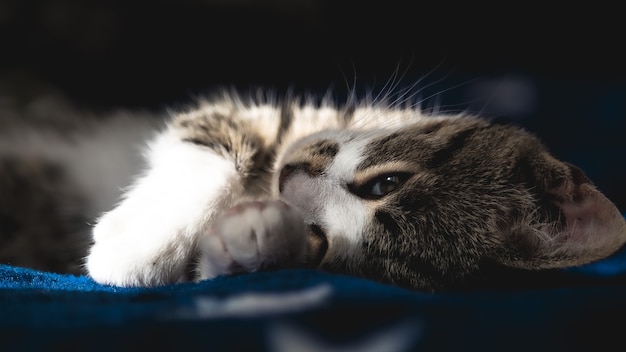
(384, 192)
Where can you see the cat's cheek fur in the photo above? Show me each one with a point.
(253, 236)
(148, 238)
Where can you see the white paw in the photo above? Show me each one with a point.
(253, 236)
(139, 246)
(150, 238)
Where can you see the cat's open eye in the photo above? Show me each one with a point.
(380, 186)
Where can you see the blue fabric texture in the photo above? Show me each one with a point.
(294, 310)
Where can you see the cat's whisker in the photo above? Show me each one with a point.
(446, 90)
(410, 90)
(391, 85)
(402, 97)
(383, 91)
(447, 109)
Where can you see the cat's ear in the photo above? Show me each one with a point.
(578, 224)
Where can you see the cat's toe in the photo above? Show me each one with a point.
(126, 251)
(284, 238)
(111, 263)
(253, 236)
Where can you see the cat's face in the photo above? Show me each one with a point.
(427, 204)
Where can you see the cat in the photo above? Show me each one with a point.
(234, 184)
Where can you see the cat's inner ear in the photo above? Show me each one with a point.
(573, 223)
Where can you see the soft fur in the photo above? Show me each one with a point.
(234, 184)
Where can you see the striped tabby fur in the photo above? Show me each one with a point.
(234, 184)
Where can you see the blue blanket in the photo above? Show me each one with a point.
(297, 310)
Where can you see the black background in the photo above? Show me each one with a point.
(567, 59)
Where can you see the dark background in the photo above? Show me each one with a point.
(559, 71)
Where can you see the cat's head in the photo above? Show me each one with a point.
(428, 204)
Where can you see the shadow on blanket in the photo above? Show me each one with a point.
(292, 310)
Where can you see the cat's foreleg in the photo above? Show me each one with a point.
(149, 238)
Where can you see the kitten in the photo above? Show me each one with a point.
(381, 191)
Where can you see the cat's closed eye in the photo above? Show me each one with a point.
(379, 186)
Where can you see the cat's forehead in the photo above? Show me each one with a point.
(431, 143)
(341, 148)
(344, 152)
(377, 142)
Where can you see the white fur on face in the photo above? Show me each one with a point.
(325, 201)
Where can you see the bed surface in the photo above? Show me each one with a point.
(578, 309)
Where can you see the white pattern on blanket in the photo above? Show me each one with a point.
(254, 304)
(396, 338)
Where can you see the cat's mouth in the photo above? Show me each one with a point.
(318, 245)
